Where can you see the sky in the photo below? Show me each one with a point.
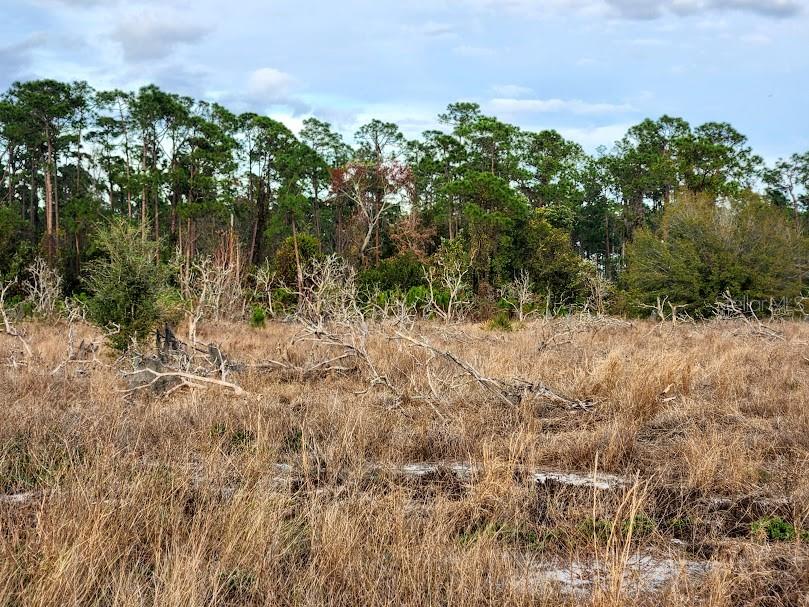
(588, 68)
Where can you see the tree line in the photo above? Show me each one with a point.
(671, 210)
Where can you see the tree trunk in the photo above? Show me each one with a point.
(128, 162)
(298, 268)
(377, 212)
(55, 207)
(143, 198)
(78, 163)
(154, 190)
(11, 175)
(33, 203)
(260, 224)
(607, 269)
(175, 196)
(316, 212)
(49, 198)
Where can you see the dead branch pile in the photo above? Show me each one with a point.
(176, 365)
(728, 309)
(510, 392)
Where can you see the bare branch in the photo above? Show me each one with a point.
(189, 379)
(8, 327)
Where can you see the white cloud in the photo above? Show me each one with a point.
(18, 57)
(653, 9)
(590, 138)
(536, 8)
(411, 119)
(572, 106)
(649, 42)
(71, 3)
(465, 50)
(637, 9)
(293, 123)
(152, 35)
(511, 90)
(269, 84)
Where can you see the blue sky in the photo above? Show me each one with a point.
(589, 68)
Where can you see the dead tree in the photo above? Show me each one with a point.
(519, 295)
(43, 287)
(450, 276)
(265, 281)
(210, 289)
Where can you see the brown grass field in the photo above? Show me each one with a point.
(689, 456)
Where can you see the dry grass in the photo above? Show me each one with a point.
(294, 494)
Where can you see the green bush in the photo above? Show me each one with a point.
(552, 262)
(283, 299)
(285, 263)
(16, 252)
(640, 525)
(518, 536)
(401, 272)
(127, 284)
(774, 529)
(602, 529)
(500, 322)
(417, 296)
(233, 440)
(257, 317)
(705, 249)
(598, 529)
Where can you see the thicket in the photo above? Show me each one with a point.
(702, 251)
(478, 218)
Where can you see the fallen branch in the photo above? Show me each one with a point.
(188, 379)
(353, 347)
(493, 386)
(542, 391)
(510, 393)
(728, 308)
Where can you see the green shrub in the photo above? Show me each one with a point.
(598, 529)
(285, 263)
(258, 317)
(293, 441)
(519, 536)
(239, 587)
(602, 529)
(28, 461)
(127, 284)
(283, 299)
(401, 272)
(417, 296)
(552, 262)
(774, 529)
(233, 439)
(641, 526)
(704, 249)
(16, 252)
(500, 322)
